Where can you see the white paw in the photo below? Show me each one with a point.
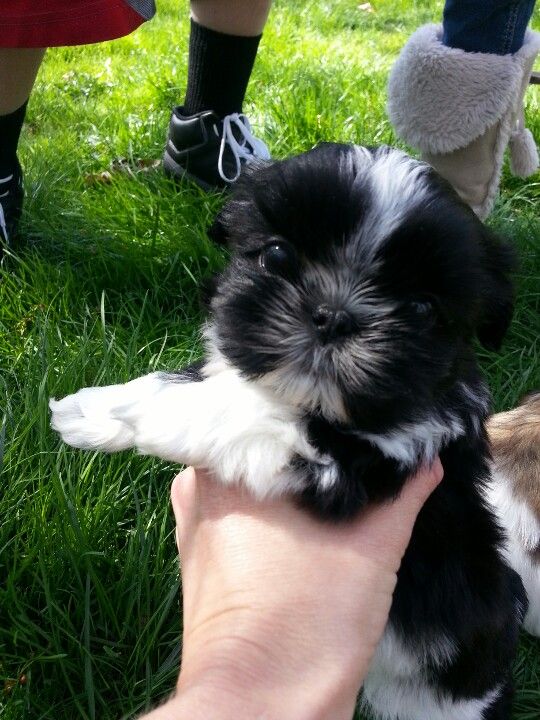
(94, 419)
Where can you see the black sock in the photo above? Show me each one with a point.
(10, 130)
(219, 70)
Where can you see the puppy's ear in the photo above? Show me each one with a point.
(217, 232)
(500, 260)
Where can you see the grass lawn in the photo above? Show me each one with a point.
(105, 289)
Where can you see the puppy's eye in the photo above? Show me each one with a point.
(278, 258)
(428, 311)
(422, 308)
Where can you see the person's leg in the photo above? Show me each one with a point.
(487, 26)
(233, 17)
(456, 93)
(209, 140)
(18, 70)
(223, 46)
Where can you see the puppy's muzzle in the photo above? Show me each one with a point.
(331, 323)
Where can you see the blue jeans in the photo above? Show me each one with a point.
(488, 26)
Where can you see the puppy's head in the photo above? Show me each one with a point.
(357, 282)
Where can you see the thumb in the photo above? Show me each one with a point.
(184, 502)
(418, 488)
(385, 528)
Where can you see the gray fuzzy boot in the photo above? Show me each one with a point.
(462, 109)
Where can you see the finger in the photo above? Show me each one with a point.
(419, 487)
(183, 500)
(404, 510)
(215, 500)
(386, 527)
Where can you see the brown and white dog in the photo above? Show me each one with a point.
(514, 493)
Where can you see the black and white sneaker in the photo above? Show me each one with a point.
(11, 201)
(209, 150)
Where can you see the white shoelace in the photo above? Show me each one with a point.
(248, 149)
(3, 225)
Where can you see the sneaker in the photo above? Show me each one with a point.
(209, 150)
(11, 200)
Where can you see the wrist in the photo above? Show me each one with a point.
(239, 679)
(261, 661)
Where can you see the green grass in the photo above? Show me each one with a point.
(105, 289)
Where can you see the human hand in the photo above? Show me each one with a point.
(282, 613)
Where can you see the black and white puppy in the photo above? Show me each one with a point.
(339, 358)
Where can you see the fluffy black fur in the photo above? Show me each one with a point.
(364, 275)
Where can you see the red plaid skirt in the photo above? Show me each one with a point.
(48, 23)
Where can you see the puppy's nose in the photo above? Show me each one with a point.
(331, 323)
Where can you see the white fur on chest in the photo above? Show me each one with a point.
(413, 441)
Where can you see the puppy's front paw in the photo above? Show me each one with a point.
(92, 419)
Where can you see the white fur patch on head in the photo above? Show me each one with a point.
(398, 183)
